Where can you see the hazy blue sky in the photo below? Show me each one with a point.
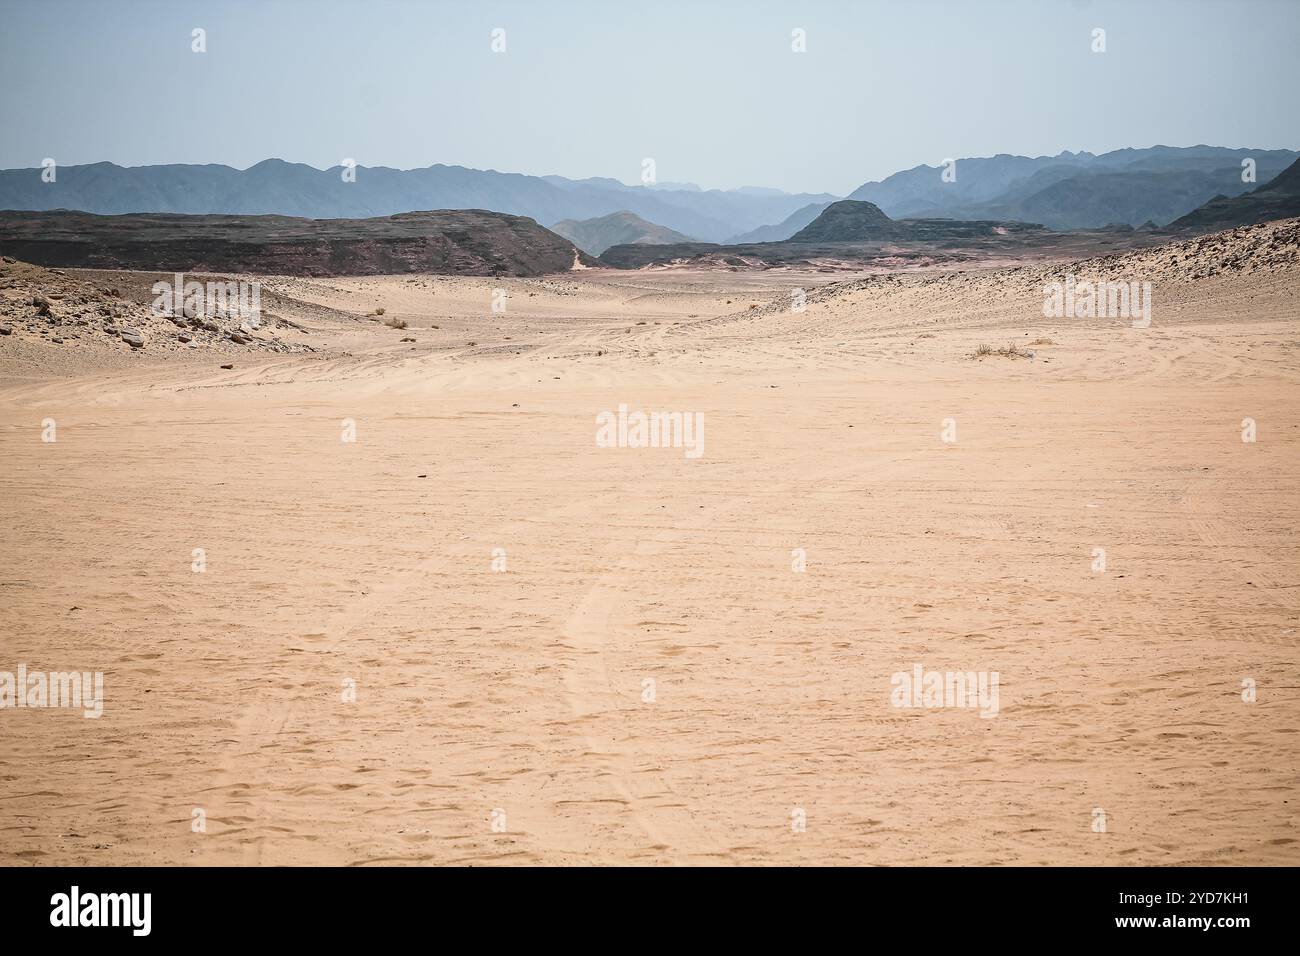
(711, 91)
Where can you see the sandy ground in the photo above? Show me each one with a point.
(520, 697)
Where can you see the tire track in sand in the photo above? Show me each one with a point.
(589, 631)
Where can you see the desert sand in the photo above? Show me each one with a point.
(507, 716)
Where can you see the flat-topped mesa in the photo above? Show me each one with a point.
(443, 241)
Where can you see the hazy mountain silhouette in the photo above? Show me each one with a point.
(1075, 190)
(1066, 191)
(294, 189)
(783, 229)
(597, 235)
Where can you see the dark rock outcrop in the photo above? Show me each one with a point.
(1277, 199)
(848, 220)
(446, 241)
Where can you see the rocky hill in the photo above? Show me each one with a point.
(111, 311)
(852, 231)
(618, 228)
(848, 221)
(855, 221)
(1277, 199)
(446, 242)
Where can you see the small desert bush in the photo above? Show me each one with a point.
(379, 311)
(395, 323)
(1010, 351)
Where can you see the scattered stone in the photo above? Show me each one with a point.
(6, 330)
(227, 366)
(132, 338)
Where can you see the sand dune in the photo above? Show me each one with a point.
(525, 691)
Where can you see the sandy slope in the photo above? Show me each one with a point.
(523, 691)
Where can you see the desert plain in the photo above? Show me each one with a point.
(473, 636)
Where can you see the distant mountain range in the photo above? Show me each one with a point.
(1068, 191)
(618, 228)
(847, 233)
(294, 189)
(1076, 190)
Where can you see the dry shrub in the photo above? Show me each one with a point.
(1010, 351)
